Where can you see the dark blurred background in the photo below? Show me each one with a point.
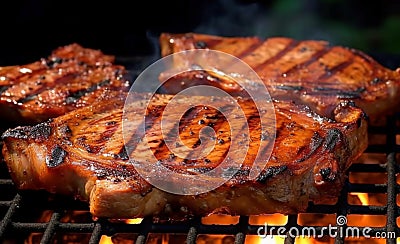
(32, 28)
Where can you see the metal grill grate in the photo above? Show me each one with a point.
(20, 211)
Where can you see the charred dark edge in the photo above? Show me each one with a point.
(62, 80)
(122, 154)
(205, 44)
(58, 155)
(280, 54)
(3, 89)
(270, 172)
(51, 62)
(315, 143)
(327, 174)
(314, 58)
(250, 49)
(114, 172)
(75, 96)
(40, 131)
(332, 138)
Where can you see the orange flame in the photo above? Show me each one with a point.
(106, 240)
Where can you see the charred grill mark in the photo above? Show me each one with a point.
(27, 98)
(279, 55)
(216, 127)
(362, 55)
(33, 95)
(330, 72)
(332, 138)
(122, 154)
(132, 142)
(189, 115)
(107, 134)
(250, 49)
(315, 143)
(311, 60)
(340, 93)
(75, 96)
(351, 94)
(289, 88)
(270, 172)
(57, 157)
(142, 129)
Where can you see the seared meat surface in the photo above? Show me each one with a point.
(83, 154)
(70, 77)
(307, 71)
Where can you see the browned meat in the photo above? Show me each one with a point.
(82, 154)
(71, 77)
(308, 71)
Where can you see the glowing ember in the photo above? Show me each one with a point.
(134, 221)
(364, 199)
(105, 240)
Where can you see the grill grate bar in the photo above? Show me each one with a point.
(342, 210)
(61, 228)
(240, 238)
(5, 204)
(51, 228)
(7, 220)
(391, 185)
(367, 188)
(368, 168)
(141, 239)
(6, 181)
(191, 236)
(391, 204)
(96, 234)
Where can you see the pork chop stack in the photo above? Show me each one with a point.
(82, 154)
(70, 77)
(310, 72)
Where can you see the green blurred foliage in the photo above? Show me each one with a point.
(371, 26)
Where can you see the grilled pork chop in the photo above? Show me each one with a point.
(71, 77)
(82, 154)
(309, 71)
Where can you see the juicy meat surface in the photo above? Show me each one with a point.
(83, 154)
(312, 72)
(70, 77)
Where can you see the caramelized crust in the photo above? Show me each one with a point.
(70, 77)
(82, 154)
(308, 71)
